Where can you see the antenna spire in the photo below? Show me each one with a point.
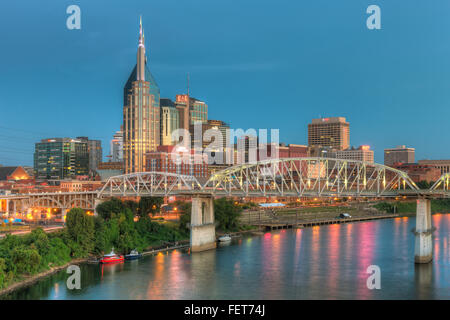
(141, 32)
(141, 57)
(188, 83)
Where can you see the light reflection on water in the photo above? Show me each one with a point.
(327, 262)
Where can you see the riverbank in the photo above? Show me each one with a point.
(29, 280)
(32, 279)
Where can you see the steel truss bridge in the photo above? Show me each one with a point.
(291, 177)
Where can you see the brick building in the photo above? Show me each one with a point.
(443, 165)
(175, 159)
(419, 172)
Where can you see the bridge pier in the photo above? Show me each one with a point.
(423, 250)
(64, 212)
(97, 201)
(203, 229)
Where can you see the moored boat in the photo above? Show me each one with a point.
(225, 238)
(133, 255)
(112, 258)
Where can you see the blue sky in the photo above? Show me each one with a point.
(258, 64)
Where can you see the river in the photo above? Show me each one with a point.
(325, 262)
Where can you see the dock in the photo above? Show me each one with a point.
(167, 248)
(274, 225)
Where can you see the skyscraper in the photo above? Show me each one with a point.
(329, 132)
(224, 129)
(246, 149)
(206, 139)
(116, 147)
(191, 110)
(95, 152)
(182, 105)
(198, 111)
(141, 112)
(169, 121)
(400, 154)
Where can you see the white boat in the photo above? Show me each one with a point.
(225, 238)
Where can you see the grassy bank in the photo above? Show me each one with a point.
(410, 207)
(27, 280)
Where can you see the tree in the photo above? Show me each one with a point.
(149, 205)
(5, 276)
(80, 228)
(226, 214)
(102, 242)
(424, 184)
(127, 239)
(26, 260)
(385, 206)
(59, 252)
(132, 205)
(111, 208)
(185, 219)
(40, 240)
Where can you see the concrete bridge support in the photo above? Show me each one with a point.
(97, 201)
(64, 212)
(423, 251)
(203, 229)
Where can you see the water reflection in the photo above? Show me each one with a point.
(333, 254)
(327, 262)
(423, 279)
(110, 269)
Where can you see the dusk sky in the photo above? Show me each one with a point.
(257, 64)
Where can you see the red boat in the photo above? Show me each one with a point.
(112, 258)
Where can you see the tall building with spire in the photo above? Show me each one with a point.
(141, 112)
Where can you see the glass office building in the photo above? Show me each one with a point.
(141, 113)
(198, 111)
(60, 158)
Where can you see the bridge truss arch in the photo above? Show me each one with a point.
(311, 177)
(45, 201)
(442, 184)
(149, 184)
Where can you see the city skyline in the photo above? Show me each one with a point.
(91, 92)
(211, 153)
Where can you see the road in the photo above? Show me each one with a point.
(46, 229)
